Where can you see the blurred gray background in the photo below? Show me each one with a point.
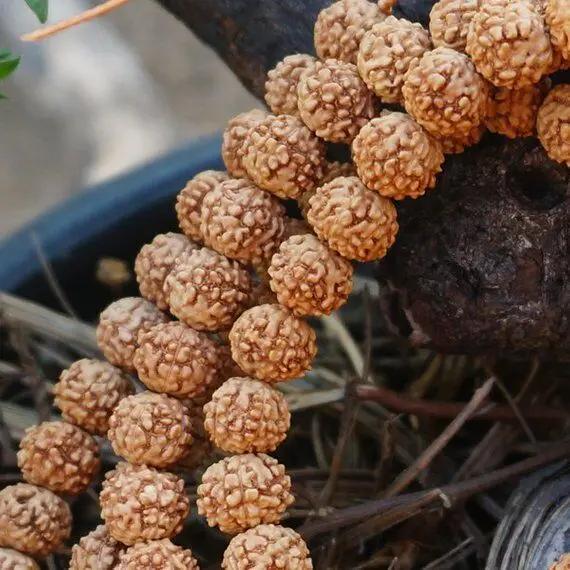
(99, 99)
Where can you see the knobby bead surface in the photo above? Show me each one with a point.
(340, 27)
(242, 221)
(509, 43)
(269, 343)
(386, 53)
(283, 156)
(282, 82)
(189, 201)
(156, 260)
(228, 366)
(458, 143)
(33, 520)
(395, 156)
(209, 291)
(267, 547)
(295, 227)
(151, 429)
(235, 134)
(157, 555)
(59, 456)
(87, 393)
(139, 503)
(444, 93)
(177, 360)
(14, 560)
(310, 278)
(332, 170)
(353, 220)
(243, 491)
(334, 102)
(449, 22)
(557, 14)
(513, 112)
(386, 6)
(201, 448)
(119, 327)
(247, 416)
(553, 124)
(97, 550)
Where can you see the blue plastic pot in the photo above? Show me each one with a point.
(112, 219)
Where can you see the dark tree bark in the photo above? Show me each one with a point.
(482, 263)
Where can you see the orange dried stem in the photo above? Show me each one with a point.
(90, 14)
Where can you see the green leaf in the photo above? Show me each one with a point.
(8, 63)
(39, 8)
(2, 96)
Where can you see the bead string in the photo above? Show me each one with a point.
(246, 273)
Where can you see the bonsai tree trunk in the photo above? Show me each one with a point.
(482, 263)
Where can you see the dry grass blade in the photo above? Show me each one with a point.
(16, 311)
(422, 462)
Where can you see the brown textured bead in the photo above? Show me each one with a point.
(228, 366)
(557, 14)
(340, 27)
(283, 156)
(513, 112)
(449, 22)
(457, 144)
(87, 393)
(152, 429)
(553, 124)
(352, 220)
(332, 170)
(156, 260)
(563, 563)
(189, 201)
(176, 360)
(295, 227)
(509, 44)
(396, 157)
(269, 343)
(335, 169)
(119, 327)
(58, 456)
(262, 293)
(14, 560)
(445, 94)
(242, 221)
(139, 503)
(208, 291)
(309, 278)
(386, 53)
(201, 448)
(98, 550)
(157, 555)
(267, 547)
(558, 62)
(282, 81)
(243, 491)
(33, 520)
(247, 416)
(334, 102)
(235, 135)
(386, 6)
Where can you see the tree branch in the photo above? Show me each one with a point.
(481, 264)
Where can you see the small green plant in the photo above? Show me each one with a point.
(8, 64)
(8, 61)
(40, 9)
